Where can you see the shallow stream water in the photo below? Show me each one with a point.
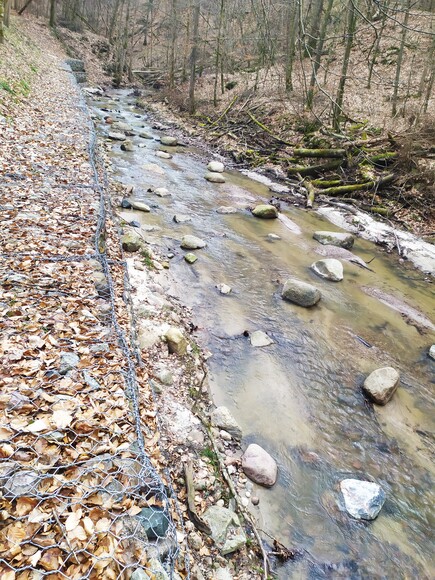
(301, 397)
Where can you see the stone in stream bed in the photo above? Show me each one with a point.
(139, 205)
(224, 288)
(330, 269)
(342, 240)
(145, 135)
(259, 466)
(163, 155)
(300, 293)
(381, 385)
(216, 167)
(363, 500)
(431, 352)
(131, 242)
(162, 192)
(260, 338)
(168, 141)
(125, 203)
(123, 127)
(192, 243)
(226, 209)
(135, 224)
(273, 237)
(181, 218)
(127, 145)
(214, 177)
(115, 136)
(190, 258)
(265, 211)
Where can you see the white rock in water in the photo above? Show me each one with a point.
(163, 155)
(168, 141)
(260, 338)
(139, 205)
(259, 466)
(432, 351)
(330, 269)
(214, 177)
(216, 167)
(362, 499)
(226, 209)
(180, 218)
(224, 288)
(339, 239)
(162, 192)
(192, 243)
(273, 237)
(381, 384)
(117, 136)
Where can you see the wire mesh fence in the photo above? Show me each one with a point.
(81, 495)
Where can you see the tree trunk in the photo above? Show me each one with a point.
(218, 51)
(193, 57)
(52, 13)
(2, 7)
(24, 7)
(172, 45)
(338, 104)
(292, 24)
(318, 55)
(399, 60)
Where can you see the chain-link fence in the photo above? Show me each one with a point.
(80, 490)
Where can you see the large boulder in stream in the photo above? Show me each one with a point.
(265, 211)
(168, 141)
(192, 243)
(300, 293)
(363, 500)
(259, 466)
(330, 269)
(341, 240)
(216, 167)
(381, 385)
(214, 177)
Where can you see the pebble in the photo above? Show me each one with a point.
(255, 500)
(220, 503)
(244, 501)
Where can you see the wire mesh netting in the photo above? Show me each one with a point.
(81, 494)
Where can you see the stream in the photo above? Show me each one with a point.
(300, 398)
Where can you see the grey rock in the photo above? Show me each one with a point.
(224, 288)
(300, 293)
(223, 419)
(363, 500)
(125, 203)
(278, 188)
(225, 527)
(154, 521)
(226, 209)
(101, 284)
(176, 340)
(192, 243)
(222, 574)
(139, 574)
(181, 218)
(260, 338)
(339, 239)
(131, 242)
(330, 269)
(80, 76)
(90, 381)
(259, 466)
(163, 155)
(162, 192)
(190, 258)
(115, 136)
(139, 205)
(431, 352)
(168, 141)
(68, 362)
(214, 177)
(145, 135)
(165, 377)
(127, 145)
(7, 468)
(123, 127)
(135, 224)
(22, 483)
(265, 211)
(216, 167)
(273, 237)
(381, 384)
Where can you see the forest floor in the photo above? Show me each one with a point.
(82, 469)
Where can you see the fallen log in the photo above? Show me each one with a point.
(314, 169)
(337, 191)
(381, 158)
(322, 153)
(324, 183)
(311, 194)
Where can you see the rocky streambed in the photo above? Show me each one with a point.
(293, 319)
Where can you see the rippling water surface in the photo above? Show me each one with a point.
(301, 398)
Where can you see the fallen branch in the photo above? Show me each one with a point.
(314, 169)
(191, 507)
(311, 194)
(323, 153)
(336, 191)
(267, 130)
